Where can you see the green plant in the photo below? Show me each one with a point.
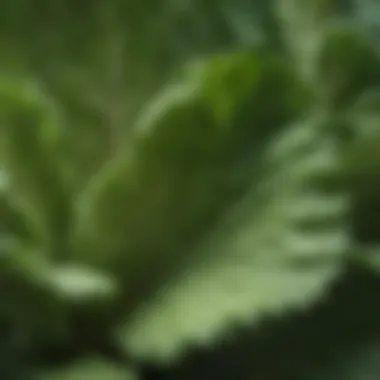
(235, 192)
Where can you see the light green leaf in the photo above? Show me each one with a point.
(77, 283)
(94, 369)
(279, 248)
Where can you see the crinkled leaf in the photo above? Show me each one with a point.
(279, 248)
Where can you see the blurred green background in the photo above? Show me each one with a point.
(189, 190)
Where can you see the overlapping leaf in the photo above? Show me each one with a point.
(191, 155)
(160, 193)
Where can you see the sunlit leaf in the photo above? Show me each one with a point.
(278, 249)
(77, 283)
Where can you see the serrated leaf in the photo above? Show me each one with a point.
(278, 249)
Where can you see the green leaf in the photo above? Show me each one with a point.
(142, 203)
(76, 283)
(14, 222)
(31, 139)
(89, 369)
(27, 300)
(362, 177)
(243, 88)
(347, 65)
(280, 247)
(172, 181)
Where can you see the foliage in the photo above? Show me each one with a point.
(161, 192)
